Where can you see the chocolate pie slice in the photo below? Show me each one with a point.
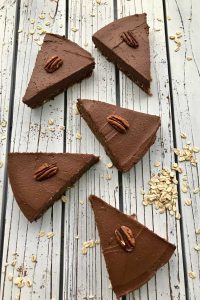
(125, 134)
(39, 179)
(132, 252)
(125, 42)
(60, 63)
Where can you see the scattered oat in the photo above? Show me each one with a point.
(41, 233)
(3, 123)
(159, 19)
(178, 43)
(19, 281)
(3, 137)
(177, 49)
(84, 251)
(52, 129)
(32, 21)
(10, 276)
(76, 237)
(39, 27)
(97, 242)
(42, 16)
(192, 275)
(183, 135)
(13, 263)
(81, 202)
(109, 165)
(78, 136)
(1, 163)
(188, 202)
(92, 15)
(163, 192)
(157, 29)
(20, 30)
(39, 43)
(62, 127)
(177, 168)
(197, 247)
(64, 199)
(43, 131)
(157, 164)
(178, 215)
(196, 149)
(98, 1)
(51, 121)
(184, 187)
(172, 37)
(42, 31)
(189, 58)
(108, 177)
(74, 29)
(91, 297)
(196, 191)
(198, 231)
(34, 258)
(50, 235)
(187, 154)
(17, 296)
(87, 245)
(29, 283)
(169, 18)
(47, 23)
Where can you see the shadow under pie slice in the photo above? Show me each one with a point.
(125, 134)
(132, 252)
(40, 179)
(125, 42)
(60, 63)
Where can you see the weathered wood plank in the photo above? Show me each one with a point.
(185, 83)
(7, 21)
(169, 281)
(85, 275)
(28, 135)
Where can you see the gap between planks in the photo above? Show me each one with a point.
(9, 129)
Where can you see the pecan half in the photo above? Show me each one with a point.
(53, 64)
(125, 238)
(45, 171)
(129, 39)
(119, 123)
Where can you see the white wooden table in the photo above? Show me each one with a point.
(61, 271)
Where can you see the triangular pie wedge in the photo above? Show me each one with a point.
(125, 42)
(39, 179)
(129, 265)
(124, 148)
(60, 63)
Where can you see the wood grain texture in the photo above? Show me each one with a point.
(86, 275)
(27, 135)
(7, 21)
(169, 280)
(185, 84)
